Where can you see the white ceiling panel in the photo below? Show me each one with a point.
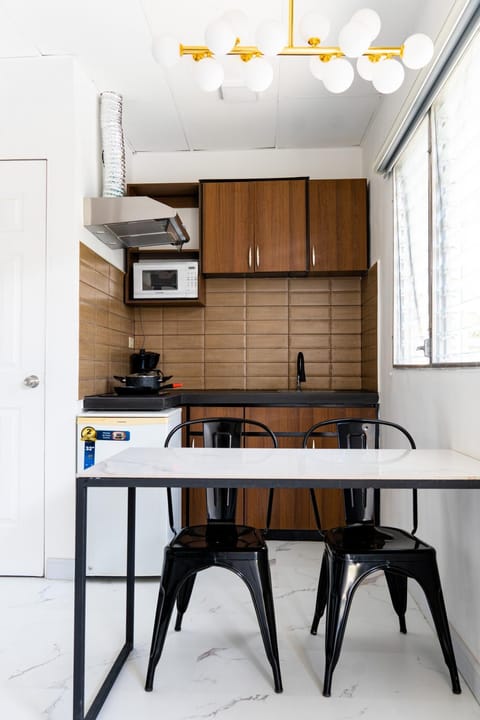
(233, 126)
(324, 122)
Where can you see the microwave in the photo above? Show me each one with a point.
(165, 279)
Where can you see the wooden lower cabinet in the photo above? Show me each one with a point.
(292, 508)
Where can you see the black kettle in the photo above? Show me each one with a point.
(143, 361)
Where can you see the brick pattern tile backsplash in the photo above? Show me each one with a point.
(249, 333)
(105, 324)
(246, 337)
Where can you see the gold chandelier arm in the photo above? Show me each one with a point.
(314, 48)
(291, 13)
(247, 52)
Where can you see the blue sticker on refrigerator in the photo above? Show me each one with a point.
(90, 436)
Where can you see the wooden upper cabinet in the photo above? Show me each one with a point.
(280, 226)
(227, 226)
(254, 226)
(338, 225)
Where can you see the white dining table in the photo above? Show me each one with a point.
(243, 467)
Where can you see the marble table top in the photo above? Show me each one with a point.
(258, 467)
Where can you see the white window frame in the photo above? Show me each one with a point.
(426, 360)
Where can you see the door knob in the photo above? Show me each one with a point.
(31, 381)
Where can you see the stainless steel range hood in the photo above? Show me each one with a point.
(129, 221)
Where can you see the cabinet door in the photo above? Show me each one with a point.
(292, 509)
(227, 227)
(280, 226)
(198, 512)
(338, 225)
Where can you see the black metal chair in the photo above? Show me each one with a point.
(362, 546)
(221, 543)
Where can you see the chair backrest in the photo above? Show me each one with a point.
(362, 505)
(219, 432)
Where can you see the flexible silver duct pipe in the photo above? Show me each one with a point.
(113, 145)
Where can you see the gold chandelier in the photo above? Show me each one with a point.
(383, 66)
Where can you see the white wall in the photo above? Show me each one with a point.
(191, 166)
(50, 111)
(38, 122)
(439, 408)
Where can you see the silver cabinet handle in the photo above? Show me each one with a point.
(313, 256)
(250, 256)
(258, 257)
(31, 381)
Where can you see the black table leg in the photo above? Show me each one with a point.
(130, 599)
(79, 601)
(80, 607)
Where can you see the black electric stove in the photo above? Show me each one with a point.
(159, 400)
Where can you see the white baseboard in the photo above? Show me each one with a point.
(60, 568)
(467, 664)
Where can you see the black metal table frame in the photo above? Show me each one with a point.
(80, 578)
(131, 483)
(80, 581)
(80, 602)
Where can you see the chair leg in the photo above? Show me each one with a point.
(173, 574)
(322, 591)
(341, 587)
(183, 598)
(258, 580)
(269, 509)
(397, 585)
(429, 580)
(316, 511)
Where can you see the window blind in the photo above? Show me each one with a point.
(465, 29)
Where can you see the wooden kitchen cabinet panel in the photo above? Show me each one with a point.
(227, 227)
(292, 509)
(280, 226)
(254, 226)
(338, 225)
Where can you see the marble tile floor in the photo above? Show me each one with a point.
(216, 669)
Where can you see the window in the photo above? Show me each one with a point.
(437, 228)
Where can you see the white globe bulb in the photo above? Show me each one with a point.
(387, 76)
(417, 51)
(338, 75)
(219, 37)
(317, 67)
(365, 67)
(208, 74)
(238, 21)
(270, 37)
(166, 50)
(370, 21)
(353, 40)
(314, 25)
(259, 74)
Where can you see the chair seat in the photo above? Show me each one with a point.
(217, 536)
(363, 538)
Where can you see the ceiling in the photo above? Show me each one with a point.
(164, 110)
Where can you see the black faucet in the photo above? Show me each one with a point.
(300, 370)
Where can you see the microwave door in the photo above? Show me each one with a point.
(160, 280)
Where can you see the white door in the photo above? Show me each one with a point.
(22, 360)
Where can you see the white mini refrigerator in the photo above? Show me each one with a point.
(99, 436)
